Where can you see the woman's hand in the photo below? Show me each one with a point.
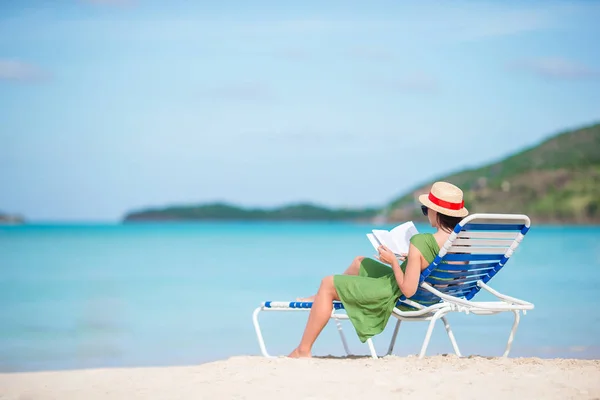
(386, 255)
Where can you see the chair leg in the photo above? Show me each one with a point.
(511, 337)
(342, 336)
(394, 336)
(434, 319)
(259, 335)
(372, 349)
(451, 336)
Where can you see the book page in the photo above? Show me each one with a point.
(386, 238)
(374, 242)
(401, 235)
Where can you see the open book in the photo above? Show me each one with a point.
(397, 240)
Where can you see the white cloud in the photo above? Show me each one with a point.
(371, 53)
(14, 70)
(416, 82)
(294, 54)
(482, 25)
(243, 91)
(558, 68)
(110, 2)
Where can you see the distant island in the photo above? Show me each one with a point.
(223, 211)
(557, 181)
(11, 219)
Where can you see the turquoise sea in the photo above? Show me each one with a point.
(81, 296)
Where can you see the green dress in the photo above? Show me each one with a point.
(370, 296)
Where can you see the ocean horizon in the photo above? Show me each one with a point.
(96, 294)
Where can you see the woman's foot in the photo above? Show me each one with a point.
(299, 354)
(306, 299)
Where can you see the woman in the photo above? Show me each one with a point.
(369, 289)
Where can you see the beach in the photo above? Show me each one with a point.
(250, 377)
(139, 312)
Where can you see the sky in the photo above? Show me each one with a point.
(108, 106)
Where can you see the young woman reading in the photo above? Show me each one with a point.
(369, 289)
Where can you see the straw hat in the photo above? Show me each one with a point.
(446, 199)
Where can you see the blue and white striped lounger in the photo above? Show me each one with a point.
(486, 242)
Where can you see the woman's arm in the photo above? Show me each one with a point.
(407, 282)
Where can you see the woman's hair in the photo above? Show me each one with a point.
(447, 222)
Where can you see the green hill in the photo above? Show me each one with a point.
(555, 181)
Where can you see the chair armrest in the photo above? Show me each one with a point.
(506, 305)
(504, 297)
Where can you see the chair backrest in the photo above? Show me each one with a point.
(479, 247)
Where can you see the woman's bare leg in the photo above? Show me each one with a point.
(318, 317)
(355, 266)
(351, 270)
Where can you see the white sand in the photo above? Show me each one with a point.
(436, 377)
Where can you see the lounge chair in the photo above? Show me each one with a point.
(483, 243)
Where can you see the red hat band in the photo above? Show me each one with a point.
(446, 204)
